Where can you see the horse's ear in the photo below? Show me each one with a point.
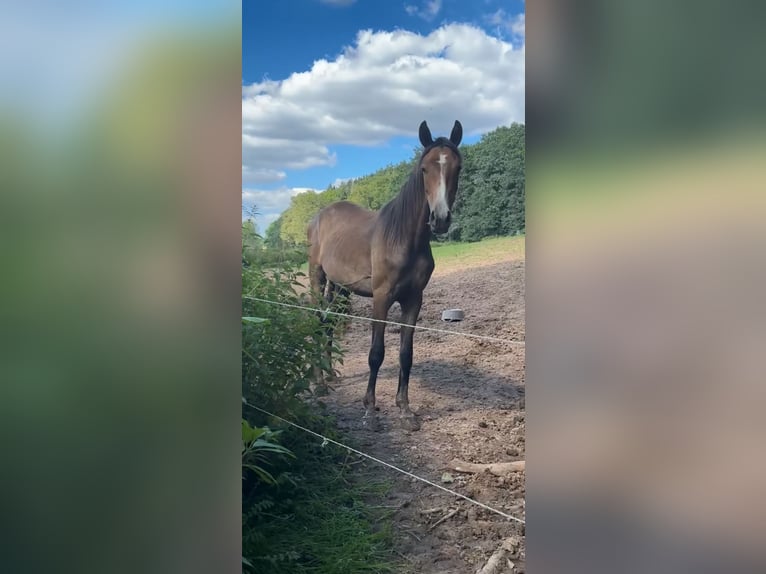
(457, 133)
(425, 135)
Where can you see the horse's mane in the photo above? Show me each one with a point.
(400, 215)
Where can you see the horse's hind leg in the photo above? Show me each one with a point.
(317, 279)
(342, 305)
(334, 297)
(317, 284)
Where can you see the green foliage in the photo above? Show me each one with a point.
(257, 444)
(375, 190)
(279, 355)
(336, 193)
(318, 518)
(492, 197)
(273, 232)
(269, 252)
(251, 241)
(294, 221)
(303, 507)
(276, 258)
(491, 200)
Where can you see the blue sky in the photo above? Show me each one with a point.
(323, 100)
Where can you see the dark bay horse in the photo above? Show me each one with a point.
(387, 255)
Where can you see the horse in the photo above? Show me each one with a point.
(386, 255)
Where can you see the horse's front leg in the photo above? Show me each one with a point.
(380, 307)
(410, 312)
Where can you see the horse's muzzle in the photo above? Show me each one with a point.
(439, 225)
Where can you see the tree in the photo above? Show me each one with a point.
(295, 220)
(492, 196)
(273, 238)
(251, 241)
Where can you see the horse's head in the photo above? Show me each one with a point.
(440, 165)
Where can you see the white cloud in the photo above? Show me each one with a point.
(429, 10)
(496, 18)
(269, 203)
(433, 7)
(383, 86)
(519, 25)
(271, 200)
(516, 25)
(261, 175)
(272, 153)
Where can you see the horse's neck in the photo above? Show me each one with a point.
(414, 212)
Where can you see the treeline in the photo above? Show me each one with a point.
(255, 250)
(490, 202)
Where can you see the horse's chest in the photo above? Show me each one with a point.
(415, 277)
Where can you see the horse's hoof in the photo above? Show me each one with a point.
(410, 422)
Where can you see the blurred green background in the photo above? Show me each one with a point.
(645, 211)
(120, 174)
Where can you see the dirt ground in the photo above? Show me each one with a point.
(469, 396)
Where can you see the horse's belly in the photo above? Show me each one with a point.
(358, 281)
(363, 288)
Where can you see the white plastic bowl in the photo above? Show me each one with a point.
(451, 315)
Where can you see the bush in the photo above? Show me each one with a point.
(257, 444)
(303, 507)
(279, 354)
(266, 257)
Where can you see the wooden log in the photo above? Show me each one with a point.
(496, 468)
(494, 563)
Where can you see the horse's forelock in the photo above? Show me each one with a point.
(440, 142)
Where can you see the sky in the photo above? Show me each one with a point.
(336, 89)
(57, 57)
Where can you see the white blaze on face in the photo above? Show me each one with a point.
(441, 209)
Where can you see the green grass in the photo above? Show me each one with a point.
(458, 255)
(326, 518)
(454, 256)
